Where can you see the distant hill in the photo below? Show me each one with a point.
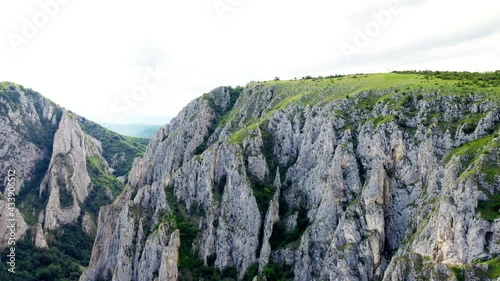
(134, 130)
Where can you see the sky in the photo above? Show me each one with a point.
(143, 61)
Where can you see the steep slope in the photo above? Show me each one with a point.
(364, 177)
(28, 124)
(119, 151)
(62, 178)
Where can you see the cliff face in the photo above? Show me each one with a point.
(348, 178)
(67, 180)
(47, 148)
(25, 119)
(62, 176)
(27, 125)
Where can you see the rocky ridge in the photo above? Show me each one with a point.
(62, 176)
(314, 180)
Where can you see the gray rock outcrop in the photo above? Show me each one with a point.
(339, 190)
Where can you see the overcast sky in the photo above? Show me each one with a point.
(113, 61)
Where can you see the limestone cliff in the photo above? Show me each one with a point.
(340, 178)
(27, 123)
(62, 176)
(67, 181)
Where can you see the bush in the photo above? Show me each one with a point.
(280, 237)
(251, 272)
(33, 202)
(277, 272)
(40, 264)
(263, 193)
(490, 209)
(75, 243)
(65, 197)
(486, 79)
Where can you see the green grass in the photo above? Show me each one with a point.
(471, 121)
(383, 120)
(355, 201)
(101, 177)
(493, 271)
(353, 84)
(458, 271)
(241, 135)
(487, 79)
(409, 86)
(469, 152)
(493, 268)
(481, 156)
(345, 246)
(490, 164)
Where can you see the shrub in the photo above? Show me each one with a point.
(41, 264)
(278, 272)
(280, 237)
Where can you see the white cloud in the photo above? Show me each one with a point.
(91, 53)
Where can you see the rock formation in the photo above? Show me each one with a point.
(313, 182)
